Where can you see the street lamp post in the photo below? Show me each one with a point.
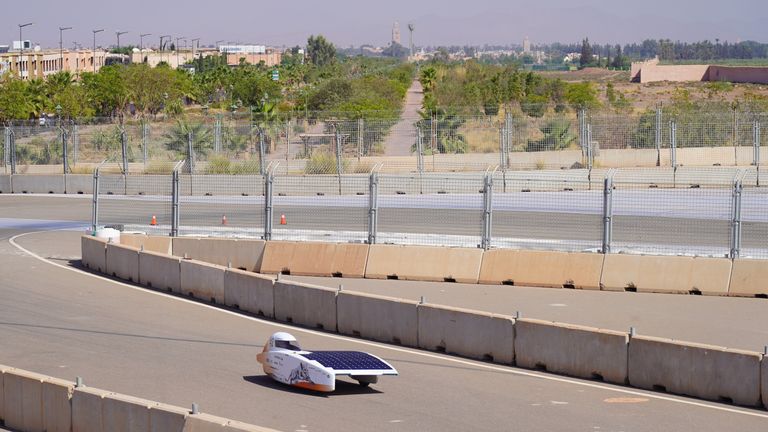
(141, 44)
(119, 33)
(94, 47)
(193, 46)
(61, 47)
(176, 47)
(21, 44)
(161, 45)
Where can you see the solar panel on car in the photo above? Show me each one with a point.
(347, 360)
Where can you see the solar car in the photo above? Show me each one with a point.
(285, 361)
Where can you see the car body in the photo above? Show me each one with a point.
(285, 361)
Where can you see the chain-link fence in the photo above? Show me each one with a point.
(695, 211)
(519, 139)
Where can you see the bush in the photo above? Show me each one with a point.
(323, 163)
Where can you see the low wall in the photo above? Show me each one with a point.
(38, 183)
(94, 253)
(241, 254)
(5, 184)
(122, 262)
(249, 292)
(384, 319)
(33, 402)
(160, 271)
(315, 259)
(666, 274)
(467, 333)
(305, 305)
(703, 371)
(579, 351)
(542, 268)
(424, 263)
(748, 278)
(202, 280)
(148, 243)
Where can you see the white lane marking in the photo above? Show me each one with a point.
(508, 370)
(558, 305)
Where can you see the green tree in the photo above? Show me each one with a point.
(557, 136)
(177, 139)
(13, 98)
(586, 53)
(582, 95)
(320, 51)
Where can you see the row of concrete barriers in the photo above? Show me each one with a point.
(31, 402)
(593, 271)
(703, 371)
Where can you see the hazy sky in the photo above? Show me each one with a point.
(344, 22)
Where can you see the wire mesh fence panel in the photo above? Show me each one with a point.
(4, 147)
(548, 141)
(687, 211)
(447, 212)
(321, 208)
(41, 148)
(547, 210)
(754, 216)
(138, 203)
(221, 205)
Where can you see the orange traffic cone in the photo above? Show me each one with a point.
(282, 220)
(223, 219)
(154, 221)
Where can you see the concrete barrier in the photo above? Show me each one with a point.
(424, 263)
(87, 405)
(250, 292)
(23, 399)
(764, 380)
(242, 254)
(122, 413)
(202, 280)
(467, 333)
(542, 268)
(38, 183)
(304, 304)
(227, 185)
(122, 262)
(78, 184)
(166, 418)
(57, 406)
(384, 319)
(5, 184)
(748, 278)
(159, 271)
(208, 423)
(703, 371)
(94, 253)
(666, 274)
(578, 351)
(3, 369)
(315, 259)
(161, 244)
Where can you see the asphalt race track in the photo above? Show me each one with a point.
(57, 320)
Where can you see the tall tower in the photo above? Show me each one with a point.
(411, 28)
(526, 45)
(396, 33)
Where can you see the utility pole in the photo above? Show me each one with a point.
(61, 47)
(176, 47)
(193, 46)
(161, 45)
(119, 33)
(94, 47)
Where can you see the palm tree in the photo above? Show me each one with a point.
(177, 139)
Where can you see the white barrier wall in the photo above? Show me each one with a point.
(384, 319)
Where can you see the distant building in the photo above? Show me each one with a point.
(526, 45)
(652, 71)
(38, 63)
(396, 33)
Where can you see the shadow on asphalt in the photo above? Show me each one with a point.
(343, 388)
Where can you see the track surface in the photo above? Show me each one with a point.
(66, 323)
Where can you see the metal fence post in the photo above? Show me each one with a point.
(507, 138)
(217, 135)
(673, 143)
(191, 152)
(7, 148)
(373, 207)
(658, 135)
(12, 146)
(95, 200)
(124, 149)
(339, 167)
(144, 141)
(75, 142)
(608, 211)
(582, 131)
(736, 217)
(503, 147)
(268, 193)
(485, 241)
(360, 141)
(64, 150)
(419, 150)
(590, 156)
(175, 201)
(262, 154)
(756, 143)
